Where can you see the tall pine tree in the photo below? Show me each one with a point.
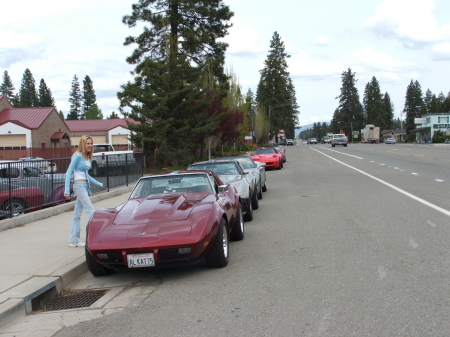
(7, 87)
(177, 54)
(388, 112)
(373, 104)
(45, 96)
(349, 115)
(276, 91)
(27, 94)
(75, 100)
(413, 103)
(89, 97)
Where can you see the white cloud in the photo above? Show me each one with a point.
(243, 40)
(380, 62)
(303, 65)
(441, 51)
(322, 40)
(413, 22)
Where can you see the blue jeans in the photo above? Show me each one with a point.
(81, 189)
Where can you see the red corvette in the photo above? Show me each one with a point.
(268, 155)
(169, 219)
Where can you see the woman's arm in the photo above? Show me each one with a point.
(73, 163)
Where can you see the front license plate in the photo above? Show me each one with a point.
(140, 260)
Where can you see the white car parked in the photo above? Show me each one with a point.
(231, 172)
(44, 165)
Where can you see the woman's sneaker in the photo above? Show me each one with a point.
(77, 244)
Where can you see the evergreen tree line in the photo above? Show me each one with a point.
(376, 108)
(82, 101)
(180, 93)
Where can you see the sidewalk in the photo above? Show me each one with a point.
(36, 257)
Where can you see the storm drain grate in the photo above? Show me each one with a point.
(74, 300)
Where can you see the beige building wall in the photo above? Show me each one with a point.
(52, 124)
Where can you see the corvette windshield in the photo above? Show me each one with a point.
(186, 183)
(262, 151)
(217, 167)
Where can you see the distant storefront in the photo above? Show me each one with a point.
(428, 124)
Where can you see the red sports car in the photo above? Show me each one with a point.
(268, 155)
(170, 218)
(21, 200)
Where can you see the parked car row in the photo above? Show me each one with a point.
(178, 218)
(30, 188)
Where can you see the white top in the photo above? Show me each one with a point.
(77, 175)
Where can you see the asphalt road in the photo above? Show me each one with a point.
(346, 242)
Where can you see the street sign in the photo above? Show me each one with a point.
(355, 132)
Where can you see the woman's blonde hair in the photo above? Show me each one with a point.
(81, 146)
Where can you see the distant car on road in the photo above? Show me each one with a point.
(312, 141)
(447, 141)
(339, 139)
(289, 142)
(326, 140)
(389, 141)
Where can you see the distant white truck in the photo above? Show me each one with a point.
(370, 134)
(106, 156)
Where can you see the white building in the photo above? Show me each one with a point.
(428, 124)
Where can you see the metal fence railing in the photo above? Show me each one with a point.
(32, 184)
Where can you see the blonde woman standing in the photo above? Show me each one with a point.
(79, 166)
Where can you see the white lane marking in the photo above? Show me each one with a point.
(438, 180)
(412, 196)
(381, 273)
(431, 223)
(414, 173)
(413, 243)
(350, 155)
(395, 168)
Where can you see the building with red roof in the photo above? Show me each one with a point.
(40, 132)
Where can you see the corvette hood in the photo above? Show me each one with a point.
(171, 207)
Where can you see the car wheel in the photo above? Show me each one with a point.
(255, 202)
(282, 164)
(249, 215)
(15, 208)
(345, 145)
(94, 267)
(217, 257)
(279, 165)
(264, 188)
(332, 145)
(237, 234)
(260, 195)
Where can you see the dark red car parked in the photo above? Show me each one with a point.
(169, 219)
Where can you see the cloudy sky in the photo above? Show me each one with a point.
(394, 40)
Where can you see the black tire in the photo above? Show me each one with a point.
(255, 202)
(260, 195)
(237, 234)
(282, 164)
(279, 166)
(345, 145)
(264, 188)
(94, 267)
(217, 257)
(249, 214)
(332, 145)
(18, 207)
